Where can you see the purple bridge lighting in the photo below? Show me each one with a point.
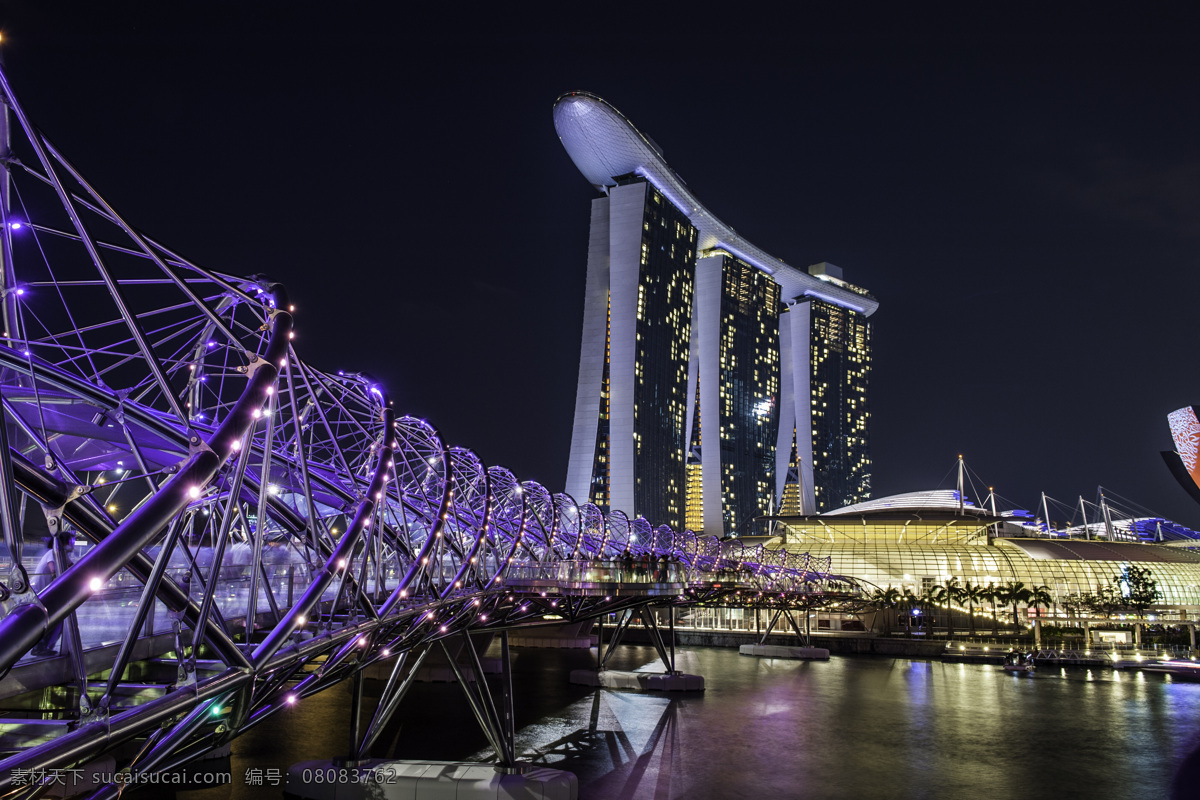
(180, 489)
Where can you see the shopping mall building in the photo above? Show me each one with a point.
(917, 540)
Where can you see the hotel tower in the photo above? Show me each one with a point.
(716, 382)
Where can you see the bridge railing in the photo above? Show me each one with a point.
(721, 577)
(158, 410)
(619, 571)
(108, 616)
(577, 571)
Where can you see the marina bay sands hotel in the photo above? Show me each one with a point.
(716, 382)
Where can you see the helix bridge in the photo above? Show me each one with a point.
(202, 529)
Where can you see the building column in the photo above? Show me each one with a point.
(627, 208)
(591, 358)
(706, 339)
(786, 409)
(799, 325)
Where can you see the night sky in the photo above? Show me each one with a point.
(1020, 192)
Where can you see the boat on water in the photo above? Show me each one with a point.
(1016, 661)
(1182, 670)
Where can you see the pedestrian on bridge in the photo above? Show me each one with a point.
(47, 569)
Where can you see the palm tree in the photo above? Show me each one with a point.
(907, 601)
(952, 592)
(1015, 592)
(933, 596)
(1039, 597)
(890, 598)
(992, 595)
(973, 594)
(1001, 596)
(884, 599)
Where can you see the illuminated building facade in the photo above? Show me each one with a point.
(716, 381)
(1184, 461)
(745, 391)
(841, 372)
(918, 540)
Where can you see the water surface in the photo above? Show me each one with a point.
(852, 727)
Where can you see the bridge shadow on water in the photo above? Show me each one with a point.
(619, 744)
(635, 765)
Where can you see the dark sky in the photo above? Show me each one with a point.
(1021, 191)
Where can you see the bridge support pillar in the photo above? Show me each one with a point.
(438, 668)
(399, 682)
(648, 681)
(806, 651)
(496, 720)
(670, 681)
(783, 651)
(571, 636)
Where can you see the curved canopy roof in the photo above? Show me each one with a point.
(915, 502)
(605, 145)
(1076, 550)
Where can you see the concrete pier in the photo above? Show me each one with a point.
(782, 651)
(380, 779)
(641, 681)
(574, 636)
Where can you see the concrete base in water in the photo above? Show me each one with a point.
(574, 636)
(781, 651)
(380, 779)
(559, 642)
(650, 681)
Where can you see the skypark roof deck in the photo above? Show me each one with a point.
(604, 145)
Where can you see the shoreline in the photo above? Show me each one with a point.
(870, 645)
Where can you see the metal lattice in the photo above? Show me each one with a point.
(263, 527)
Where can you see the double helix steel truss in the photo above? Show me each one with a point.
(230, 529)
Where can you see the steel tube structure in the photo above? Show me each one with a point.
(280, 517)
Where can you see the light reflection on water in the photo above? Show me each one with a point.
(854, 727)
(869, 727)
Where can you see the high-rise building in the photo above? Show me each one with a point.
(716, 383)
(743, 424)
(840, 372)
(647, 247)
